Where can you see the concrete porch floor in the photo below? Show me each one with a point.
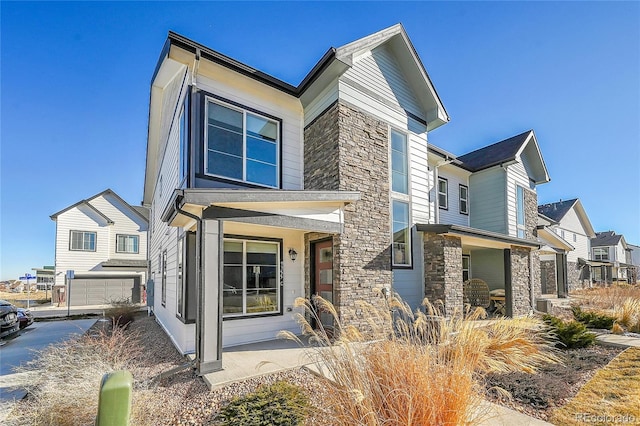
(257, 359)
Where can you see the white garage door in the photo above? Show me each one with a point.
(102, 290)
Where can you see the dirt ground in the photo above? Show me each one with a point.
(19, 299)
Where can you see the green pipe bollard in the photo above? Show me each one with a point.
(114, 403)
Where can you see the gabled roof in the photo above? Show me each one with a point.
(508, 151)
(87, 203)
(558, 210)
(607, 238)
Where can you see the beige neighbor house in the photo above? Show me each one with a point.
(103, 240)
(261, 192)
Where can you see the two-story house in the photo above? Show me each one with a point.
(610, 258)
(570, 223)
(103, 240)
(261, 192)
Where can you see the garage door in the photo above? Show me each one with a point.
(102, 290)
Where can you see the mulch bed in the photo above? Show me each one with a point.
(537, 395)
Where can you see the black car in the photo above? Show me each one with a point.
(25, 318)
(8, 319)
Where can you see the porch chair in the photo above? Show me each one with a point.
(476, 293)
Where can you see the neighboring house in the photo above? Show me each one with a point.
(610, 258)
(570, 223)
(261, 192)
(104, 241)
(634, 254)
(45, 277)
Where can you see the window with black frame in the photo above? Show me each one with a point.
(251, 277)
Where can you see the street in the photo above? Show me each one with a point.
(18, 350)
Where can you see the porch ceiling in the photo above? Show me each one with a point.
(477, 237)
(305, 210)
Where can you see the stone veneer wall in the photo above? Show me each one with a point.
(531, 214)
(443, 271)
(359, 145)
(574, 272)
(531, 223)
(520, 276)
(548, 271)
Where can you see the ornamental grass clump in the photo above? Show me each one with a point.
(408, 367)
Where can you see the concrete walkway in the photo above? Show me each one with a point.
(618, 341)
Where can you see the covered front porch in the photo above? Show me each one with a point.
(454, 254)
(252, 248)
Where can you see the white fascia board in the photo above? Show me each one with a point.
(584, 219)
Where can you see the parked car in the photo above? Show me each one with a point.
(8, 319)
(25, 318)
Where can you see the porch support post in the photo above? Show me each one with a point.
(209, 319)
(508, 282)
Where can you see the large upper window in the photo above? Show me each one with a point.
(127, 244)
(251, 277)
(520, 223)
(601, 253)
(82, 241)
(401, 234)
(241, 145)
(443, 198)
(399, 163)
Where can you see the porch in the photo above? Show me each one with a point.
(454, 254)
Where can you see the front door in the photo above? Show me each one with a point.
(323, 277)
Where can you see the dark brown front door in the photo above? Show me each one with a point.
(323, 277)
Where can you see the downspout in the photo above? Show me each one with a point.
(199, 286)
(437, 184)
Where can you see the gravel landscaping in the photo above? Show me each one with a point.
(184, 399)
(533, 394)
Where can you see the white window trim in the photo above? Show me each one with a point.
(244, 112)
(279, 288)
(461, 199)
(600, 257)
(95, 240)
(128, 236)
(446, 193)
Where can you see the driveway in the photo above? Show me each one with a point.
(22, 348)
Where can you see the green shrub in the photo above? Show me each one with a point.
(570, 334)
(593, 319)
(279, 404)
(121, 312)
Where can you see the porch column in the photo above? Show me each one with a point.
(209, 316)
(518, 284)
(443, 271)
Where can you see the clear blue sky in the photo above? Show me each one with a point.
(75, 92)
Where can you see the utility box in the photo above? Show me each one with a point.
(114, 403)
(543, 305)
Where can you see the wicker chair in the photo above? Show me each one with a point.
(476, 293)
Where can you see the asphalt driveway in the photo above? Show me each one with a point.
(23, 348)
